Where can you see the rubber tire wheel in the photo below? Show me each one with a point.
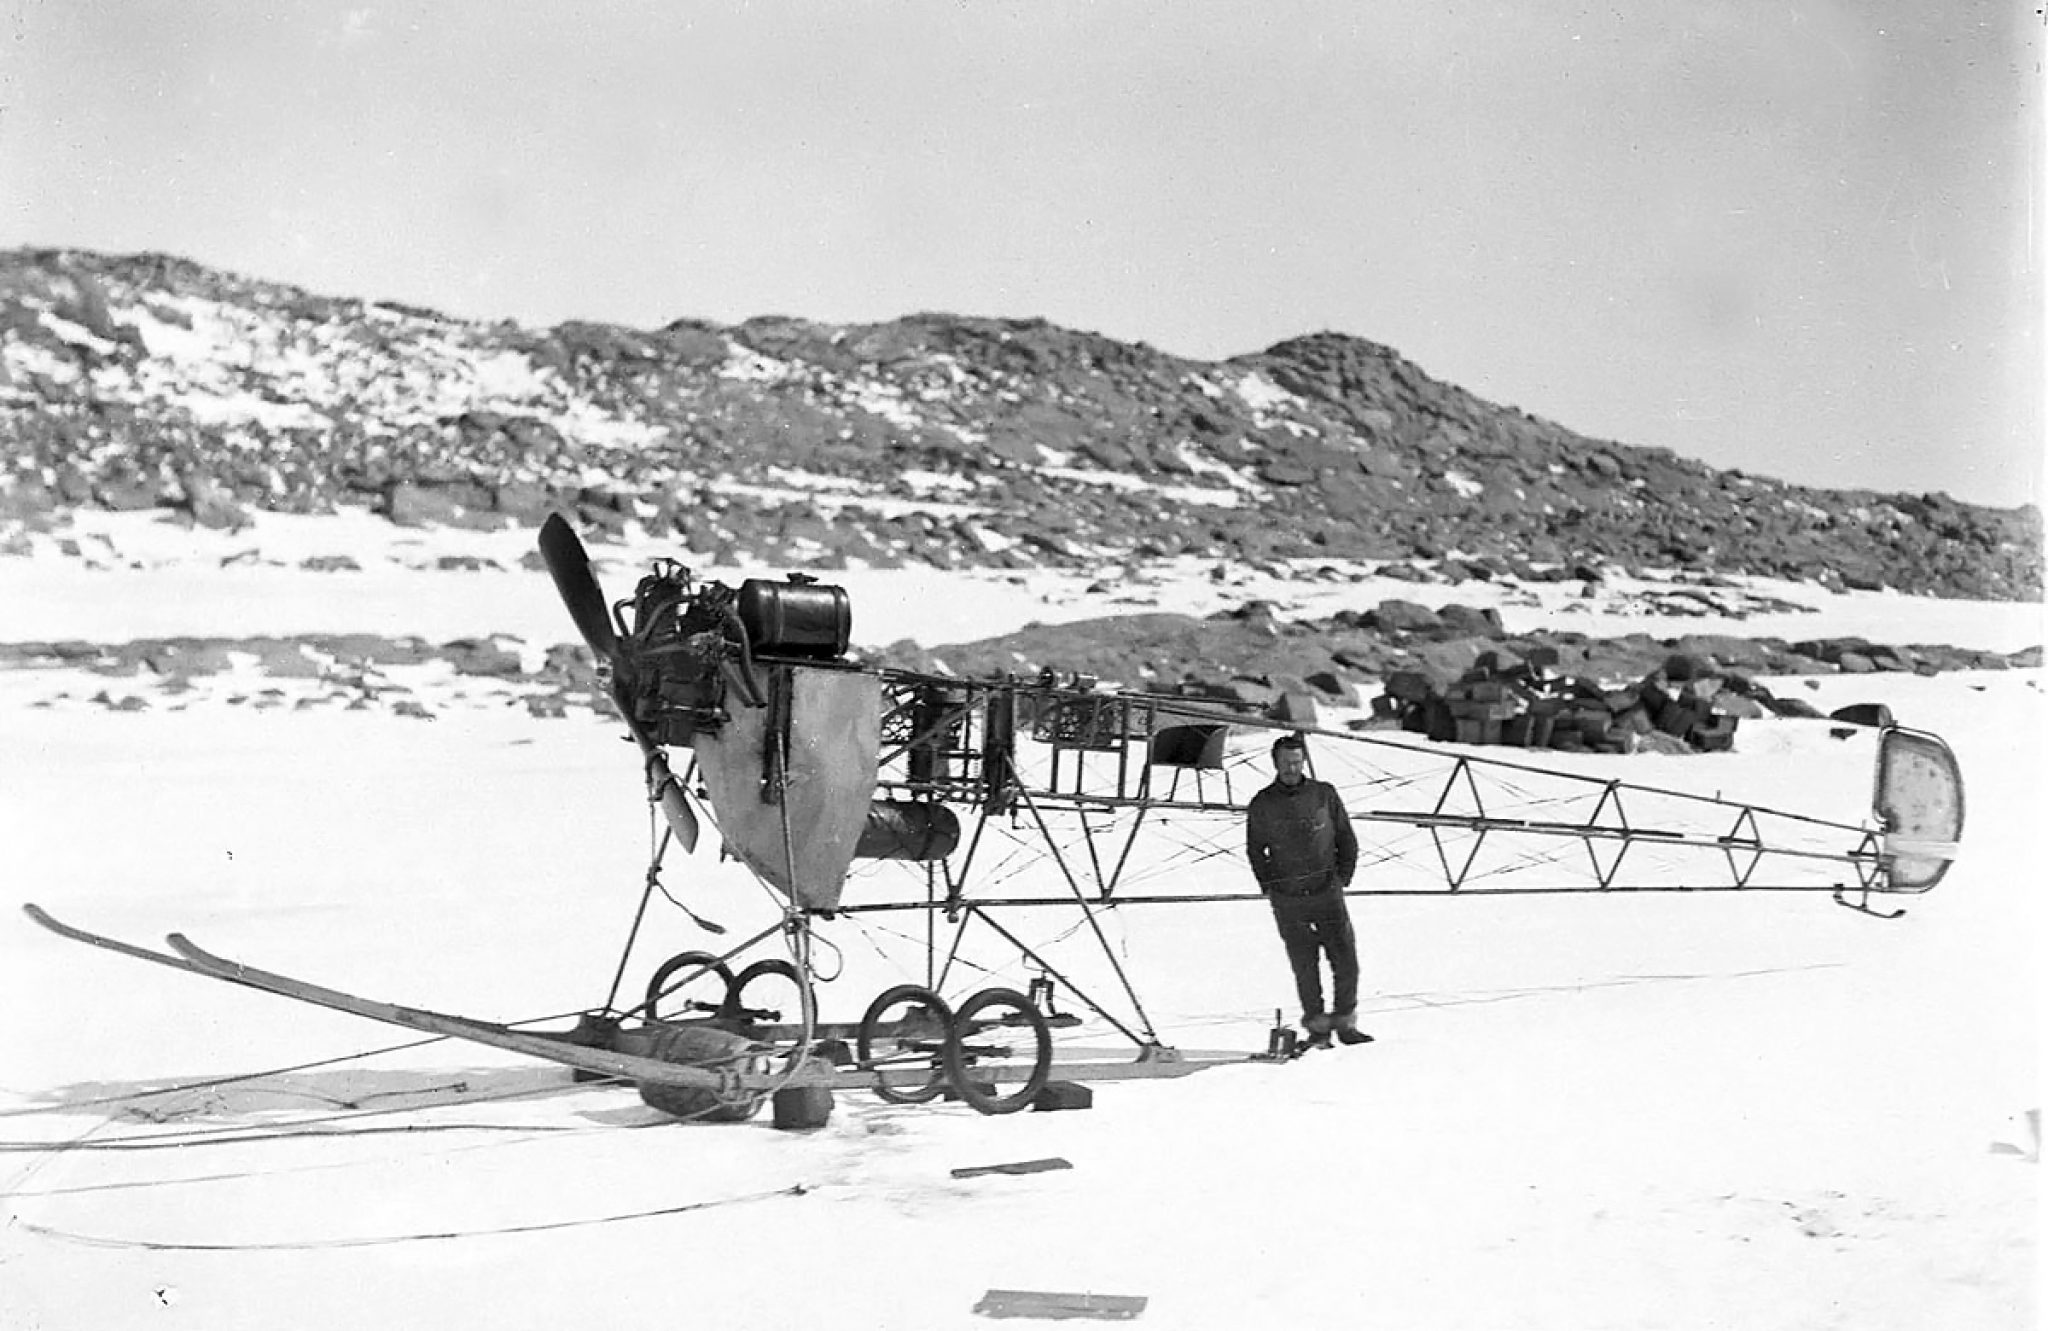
(733, 1010)
(679, 962)
(865, 1039)
(703, 1045)
(960, 1073)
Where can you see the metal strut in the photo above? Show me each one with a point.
(1087, 913)
(1149, 1040)
(611, 1001)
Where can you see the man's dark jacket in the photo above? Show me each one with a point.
(1299, 839)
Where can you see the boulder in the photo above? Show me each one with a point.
(1863, 714)
(1448, 659)
(1414, 686)
(1471, 621)
(474, 656)
(525, 502)
(1657, 741)
(1402, 617)
(410, 505)
(1238, 691)
(1726, 703)
(1329, 684)
(211, 504)
(1500, 661)
(1296, 707)
(1681, 667)
(1723, 651)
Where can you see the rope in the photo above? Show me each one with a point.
(387, 1240)
(323, 1165)
(283, 1132)
(213, 1082)
(233, 1134)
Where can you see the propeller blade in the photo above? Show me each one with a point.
(675, 806)
(569, 565)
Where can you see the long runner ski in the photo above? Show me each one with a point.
(190, 957)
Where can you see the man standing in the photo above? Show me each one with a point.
(1302, 850)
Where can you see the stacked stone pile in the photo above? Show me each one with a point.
(1688, 704)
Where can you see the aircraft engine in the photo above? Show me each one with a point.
(690, 650)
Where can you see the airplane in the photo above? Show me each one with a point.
(855, 793)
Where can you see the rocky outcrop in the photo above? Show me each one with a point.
(144, 381)
(407, 676)
(1256, 657)
(1429, 677)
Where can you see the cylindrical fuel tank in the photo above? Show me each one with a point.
(808, 619)
(908, 830)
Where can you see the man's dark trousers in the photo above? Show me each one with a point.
(1310, 927)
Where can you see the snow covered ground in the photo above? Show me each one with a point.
(1669, 1111)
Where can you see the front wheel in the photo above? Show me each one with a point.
(686, 979)
(999, 1036)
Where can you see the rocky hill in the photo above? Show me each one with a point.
(143, 381)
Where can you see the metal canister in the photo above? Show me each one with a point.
(908, 830)
(809, 619)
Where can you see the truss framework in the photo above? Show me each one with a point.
(1075, 779)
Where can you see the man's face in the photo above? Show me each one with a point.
(1292, 766)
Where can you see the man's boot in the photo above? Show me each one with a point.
(1318, 1027)
(1346, 1026)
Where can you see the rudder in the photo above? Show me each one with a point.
(1918, 804)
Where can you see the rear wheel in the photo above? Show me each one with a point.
(688, 983)
(903, 1039)
(999, 1039)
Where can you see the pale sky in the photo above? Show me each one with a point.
(1792, 238)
